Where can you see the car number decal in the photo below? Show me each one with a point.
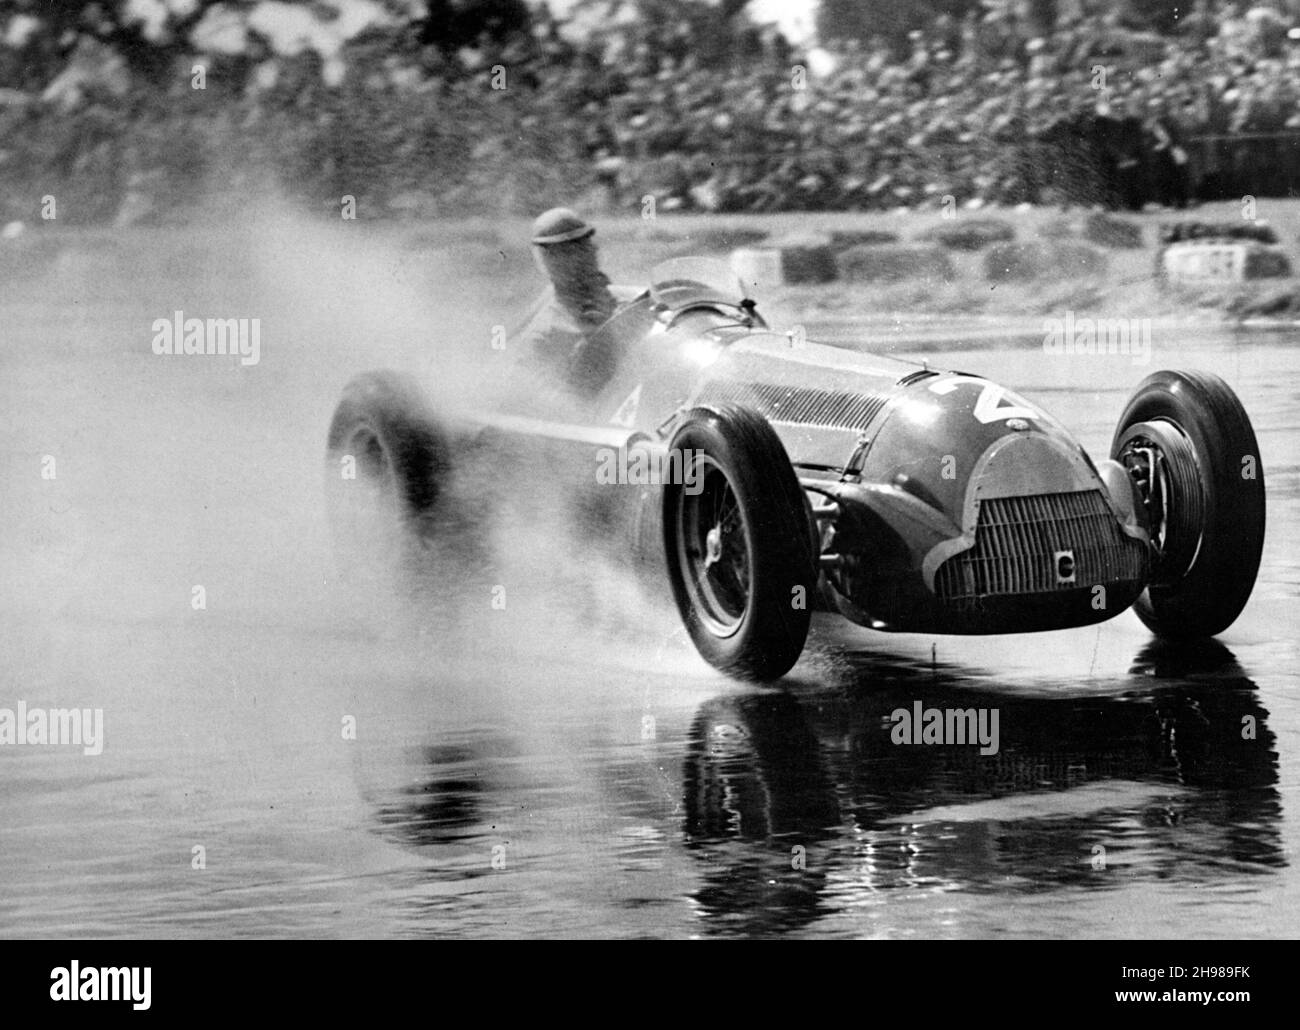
(989, 407)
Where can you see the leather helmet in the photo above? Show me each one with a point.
(560, 225)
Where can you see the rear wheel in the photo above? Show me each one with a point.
(385, 469)
(1188, 444)
(737, 544)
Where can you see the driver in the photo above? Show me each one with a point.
(577, 302)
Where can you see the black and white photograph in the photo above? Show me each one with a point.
(651, 469)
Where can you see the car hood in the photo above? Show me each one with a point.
(819, 399)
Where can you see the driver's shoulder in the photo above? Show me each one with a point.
(546, 314)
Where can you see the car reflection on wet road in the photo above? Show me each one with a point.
(797, 808)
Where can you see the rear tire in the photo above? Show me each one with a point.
(1204, 496)
(738, 546)
(385, 469)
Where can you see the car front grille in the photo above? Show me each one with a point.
(1019, 540)
(831, 409)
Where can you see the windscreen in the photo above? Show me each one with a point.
(683, 282)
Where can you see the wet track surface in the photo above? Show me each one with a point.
(572, 768)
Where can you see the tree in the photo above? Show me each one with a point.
(452, 24)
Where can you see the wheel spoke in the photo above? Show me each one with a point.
(714, 550)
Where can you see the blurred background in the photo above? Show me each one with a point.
(131, 111)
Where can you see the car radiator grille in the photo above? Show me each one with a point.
(832, 409)
(1017, 540)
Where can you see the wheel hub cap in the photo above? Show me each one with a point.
(713, 546)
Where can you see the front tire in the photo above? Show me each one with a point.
(737, 543)
(1187, 442)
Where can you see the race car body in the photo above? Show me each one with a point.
(770, 474)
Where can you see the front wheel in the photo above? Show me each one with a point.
(737, 543)
(1188, 444)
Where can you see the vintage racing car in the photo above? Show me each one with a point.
(798, 476)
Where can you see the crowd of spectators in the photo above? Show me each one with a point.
(992, 108)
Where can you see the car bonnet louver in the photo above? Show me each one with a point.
(798, 405)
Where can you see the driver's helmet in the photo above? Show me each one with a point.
(560, 225)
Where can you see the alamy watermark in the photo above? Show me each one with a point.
(55, 727)
(639, 466)
(181, 335)
(102, 983)
(953, 726)
(1100, 337)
